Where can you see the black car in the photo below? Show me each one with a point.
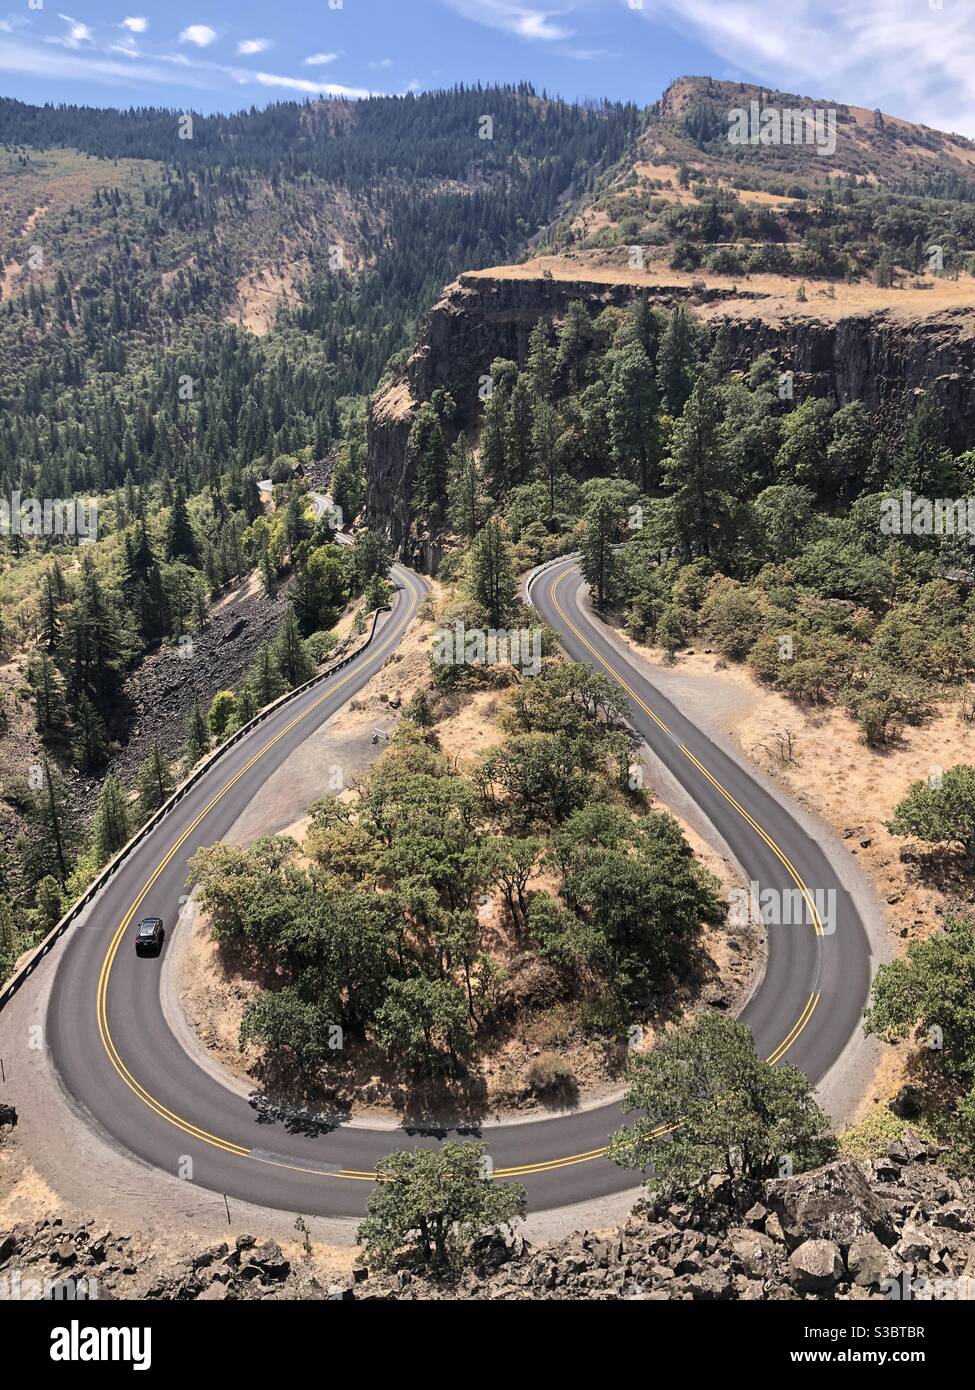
(149, 937)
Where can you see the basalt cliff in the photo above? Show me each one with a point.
(846, 343)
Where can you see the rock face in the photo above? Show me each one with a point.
(391, 466)
(846, 1231)
(877, 357)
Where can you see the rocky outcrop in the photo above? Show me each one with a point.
(879, 357)
(391, 465)
(899, 1227)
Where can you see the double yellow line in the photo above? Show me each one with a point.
(811, 1002)
(242, 1151)
(194, 1131)
(767, 839)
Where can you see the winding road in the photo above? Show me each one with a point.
(130, 1077)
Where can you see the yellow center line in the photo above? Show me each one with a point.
(102, 995)
(353, 1174)
(813, 999)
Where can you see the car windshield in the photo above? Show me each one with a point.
(147, 929)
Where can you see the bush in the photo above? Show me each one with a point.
(222, 712)
(550, 1076)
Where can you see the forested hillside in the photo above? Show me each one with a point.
(137, 250)
(877, 195)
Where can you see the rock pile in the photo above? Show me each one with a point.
(898, 1227)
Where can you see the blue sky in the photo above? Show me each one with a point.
(914, 58)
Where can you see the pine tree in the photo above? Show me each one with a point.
(492, 578)
(10, 940)
(642, 327)
(197, 735)
(53, 814)
(49, 703)
(519, 433)
(90, 737)
(631, 407)
(494, 441)
(545, 441)
(599, 562)
(246, 706)
(575, 342)
(427, 443)
(154, 782)
(110, 829)
(701, 472)
(540, 364)
(50, 619)
(290, 656)
(180, 540)
(269, 577)
(266, 679)
(468, 504)
(676, 361)
(48, 904)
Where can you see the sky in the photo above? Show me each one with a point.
(912, 58)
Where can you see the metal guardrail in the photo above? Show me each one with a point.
(546, 565)
(20, 976)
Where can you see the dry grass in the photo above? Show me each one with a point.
(34, 199)
(768, 297)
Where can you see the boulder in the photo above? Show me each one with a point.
(268, 1260)
(955, 1216)
(914, 1245)
(907, 1103)
(215, 1293)
(752, 1250)
(908, 1149)
(815, 1265)
(869, 1262)
(831, 1203)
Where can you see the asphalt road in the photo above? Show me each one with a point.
(127, 1073)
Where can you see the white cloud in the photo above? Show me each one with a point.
(135, 24)
(78, 33)
(301, 84)
(901, 55)
(526, 21)
(318, 60)
(97, 65)
(200, 34)
(382, 63)
(249, 46)
(41, 61)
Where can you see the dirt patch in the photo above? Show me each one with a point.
(262, 293)
(818, 757)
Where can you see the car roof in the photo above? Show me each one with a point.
(149, 924)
